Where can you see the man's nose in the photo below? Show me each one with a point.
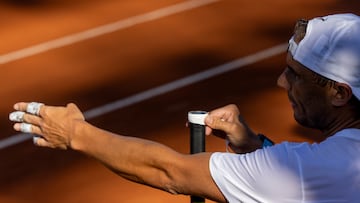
(283, 82)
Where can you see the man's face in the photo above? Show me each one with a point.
(308, 99)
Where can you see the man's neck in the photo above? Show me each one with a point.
(342, 120)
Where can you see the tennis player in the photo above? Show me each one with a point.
(322, 80)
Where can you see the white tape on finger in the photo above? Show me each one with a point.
(17, 116)
(34, 108)
(35, 139)
(25, 127)
(197, 117)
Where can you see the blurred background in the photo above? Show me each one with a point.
(100, 54)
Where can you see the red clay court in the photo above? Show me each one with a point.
(137, 68)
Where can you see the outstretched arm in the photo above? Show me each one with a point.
(138, 160)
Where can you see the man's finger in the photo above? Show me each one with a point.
(20, 116)
(218, 124)
(42, 142)
(17, 116)
(33, 108)
(27, 128)
(20, 106)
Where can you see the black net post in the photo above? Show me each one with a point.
(197, 139)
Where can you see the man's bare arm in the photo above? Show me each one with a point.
(135, 159)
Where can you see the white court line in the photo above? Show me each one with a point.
(105, 29)
(131, 100)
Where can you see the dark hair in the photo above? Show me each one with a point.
(322, 81)
(300, 30)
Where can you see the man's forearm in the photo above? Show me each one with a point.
(132, 158)
(147, 162)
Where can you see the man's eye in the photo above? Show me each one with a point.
(291, 74)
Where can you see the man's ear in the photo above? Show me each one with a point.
(341, 95)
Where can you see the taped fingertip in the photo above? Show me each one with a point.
(34, 108)
(25, 127)
(35, 140)
(17, 116)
